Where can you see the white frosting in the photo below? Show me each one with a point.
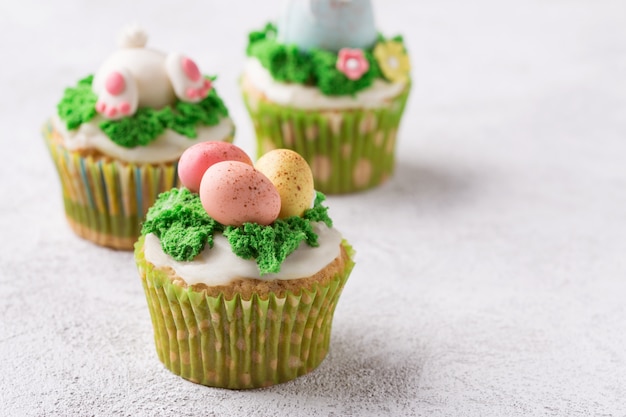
(167, 147)
(219, 265)
(308, 97)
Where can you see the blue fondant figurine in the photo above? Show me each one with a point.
(327, 24)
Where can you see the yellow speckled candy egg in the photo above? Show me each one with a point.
(292, 177)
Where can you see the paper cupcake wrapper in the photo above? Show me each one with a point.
(239, 344)
(106, 200)
(348, 150)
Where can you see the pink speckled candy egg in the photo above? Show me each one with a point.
(198, 158)
(234, 193)
(292, 177)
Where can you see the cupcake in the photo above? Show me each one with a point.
(241, 269)
(325, 83)
(118, 134)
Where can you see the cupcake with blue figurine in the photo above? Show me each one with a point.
(324, 82)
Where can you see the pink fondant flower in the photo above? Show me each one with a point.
(352, 63)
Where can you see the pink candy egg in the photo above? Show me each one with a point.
(234, 193)
(198, 158)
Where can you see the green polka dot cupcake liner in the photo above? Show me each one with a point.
(237, 343)
(348, 150)
(106, 200)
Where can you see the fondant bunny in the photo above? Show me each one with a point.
(135, 76)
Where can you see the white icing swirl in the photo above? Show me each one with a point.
(219, 265)
(169, 146)
(307, 97)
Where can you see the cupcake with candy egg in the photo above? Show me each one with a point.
(325, 83)
(118, 134)
(242, 269)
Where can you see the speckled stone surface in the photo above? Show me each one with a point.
(490, 275)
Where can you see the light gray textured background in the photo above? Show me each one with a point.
(491, 274)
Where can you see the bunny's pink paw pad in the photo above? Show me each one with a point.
(187, 81)
(119, 96)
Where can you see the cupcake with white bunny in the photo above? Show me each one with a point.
(118, 134)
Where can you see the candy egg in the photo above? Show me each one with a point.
(198, 158)
(234, 193)
(291, 175)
